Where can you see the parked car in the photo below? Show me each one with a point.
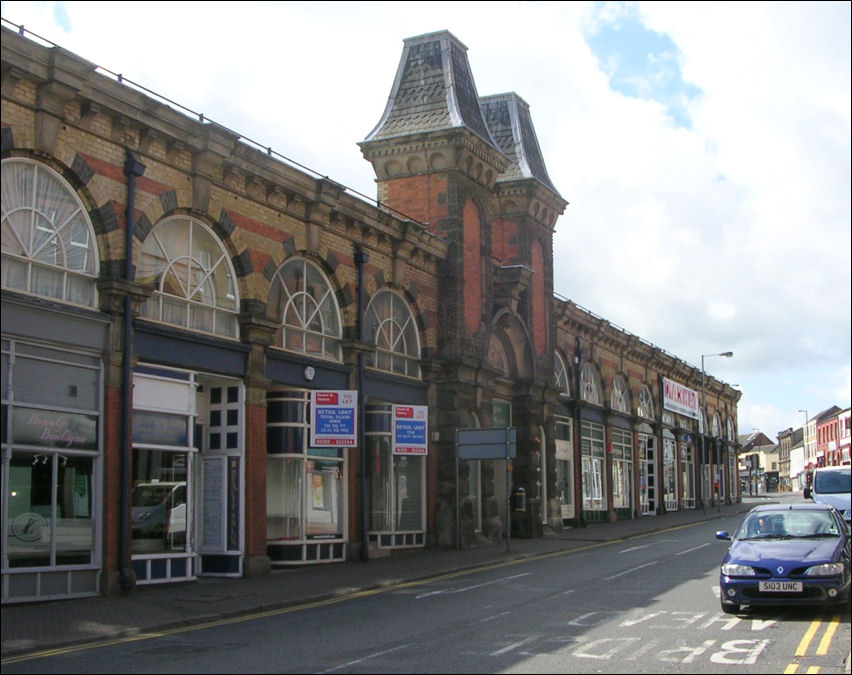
(832, 485)
(796, 554)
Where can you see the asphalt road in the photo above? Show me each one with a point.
(647, 605)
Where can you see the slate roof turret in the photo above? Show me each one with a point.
(509, 120)
(433, 90)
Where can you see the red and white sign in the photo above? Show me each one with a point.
(680, 399)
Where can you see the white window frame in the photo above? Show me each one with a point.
(202, 289)
(24, 216)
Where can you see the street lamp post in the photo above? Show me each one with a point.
(727, 355)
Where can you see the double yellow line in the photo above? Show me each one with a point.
(822, 647)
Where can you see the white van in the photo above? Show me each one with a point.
(832, 485)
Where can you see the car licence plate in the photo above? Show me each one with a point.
(780, 586)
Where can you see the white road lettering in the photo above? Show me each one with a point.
(583, 619)
(684, 653)
(603, 649)
(644, 617)
(728, 622)
(740, 652)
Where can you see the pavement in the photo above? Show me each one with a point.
(41, 626)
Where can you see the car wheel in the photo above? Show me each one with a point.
(730, 609)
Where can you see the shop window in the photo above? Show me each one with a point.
(592, 455)
(162, 472)
(622, 468)
(48, 246)
(669, 475)
(390, 324)
(396, 481)
(53, 435)
(193, 280)
(564, 465)
(304, 485)
(304, 301)
(687, 471)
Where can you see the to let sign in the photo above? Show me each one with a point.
(410, 429)
(334, 418)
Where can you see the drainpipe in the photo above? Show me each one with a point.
(132, 169)
(360, 259)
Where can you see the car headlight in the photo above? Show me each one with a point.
(733, 570)
(826, 570)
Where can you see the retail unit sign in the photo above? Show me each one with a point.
(680, 399)
(410, 429)
(334, 419)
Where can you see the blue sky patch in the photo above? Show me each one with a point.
(641, 63)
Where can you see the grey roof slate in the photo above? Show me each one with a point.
(433, 90)
(509, 120)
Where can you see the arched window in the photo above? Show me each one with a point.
(561, 375)
(646, 403)
(49, 246)
(717, 427)
(620, 395)
(194, 283)
(303, 300)
(591, 385)
(730, 426)
(390, 324)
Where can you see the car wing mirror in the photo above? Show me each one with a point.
(723, 534)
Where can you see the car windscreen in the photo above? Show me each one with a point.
(789, 524)
(832, 482)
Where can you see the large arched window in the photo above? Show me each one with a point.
(561, 375)
(620, 395)
(591, 385)
(716, 429)
(303, 299)
(390, 324)
(646, 403)
(194, 283)
(49, 245)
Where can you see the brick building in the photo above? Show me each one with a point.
(210, 355)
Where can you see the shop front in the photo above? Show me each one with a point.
(187, 475)
(52, 432)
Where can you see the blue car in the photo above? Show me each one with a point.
(796, 554)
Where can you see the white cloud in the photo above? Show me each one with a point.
(734, 234)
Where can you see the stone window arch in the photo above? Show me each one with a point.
(620, 399)
(194, 281)
(49, 247)
(590, 384)
(303, 299)
(390, 324)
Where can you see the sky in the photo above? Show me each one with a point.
(703, 147)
